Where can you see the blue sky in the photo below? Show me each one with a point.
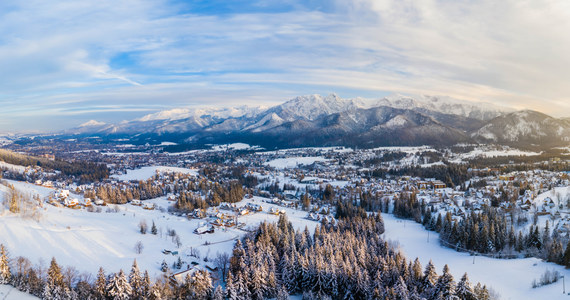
(66, 62)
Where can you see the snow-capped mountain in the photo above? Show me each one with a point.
(330, 120)
(443, 105)
(527, 126)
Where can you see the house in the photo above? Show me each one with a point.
(70, 202)
(136, 202)
(206, 228)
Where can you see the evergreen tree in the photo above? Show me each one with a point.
(118, 287)
(445, 286)
(146, 286)
(231, 288)
(101, 285)
(464, 290)
(429, 280)
(5, 274)
(54, 287)
(218, 293)
(136, 282)
(566, 256)
(153, 229)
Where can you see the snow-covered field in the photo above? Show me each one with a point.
(13, 168)
(8, 292)
(145, 173)
(510, 278)
(479, 152)
(88, 240)
(293, 162)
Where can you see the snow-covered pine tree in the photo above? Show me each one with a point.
(101, 285)
(429, 280)
(5, 274)
(201, 285)
(481, 292)
(282, 293)
(153, 229)
(146, 286)
(241, 286)
(155, 292)
(136, 281)
(218, 293)
(231, 288)
(54, 286)
(288, 274)
(445, 286)
(118, 287)
(401, 290)
(464, 290)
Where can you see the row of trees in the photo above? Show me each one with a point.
(486, 232)
(59, 283)
(80, 171)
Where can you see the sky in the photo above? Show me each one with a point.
(65, 62)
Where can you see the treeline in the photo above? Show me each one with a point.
(121, 194)
(452, 174)
(190, 192)
(345, 260)
(217, 193)
(486, 232)
(80, 171)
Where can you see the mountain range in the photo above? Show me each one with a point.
(315, 120)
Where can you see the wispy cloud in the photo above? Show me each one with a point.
(79, 57)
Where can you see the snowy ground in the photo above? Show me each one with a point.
(8, 292)
(88, 240)
(145, 173)
(510, 278)
(293, 162)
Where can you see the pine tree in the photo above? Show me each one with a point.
(464, 290)
(445, 286)
(101, 285)
(153, 229)
(136, 282)
(429, 280)
(118, 287)
(218, 293)
(5, 274)
(201, 285)
(146, 286)
(566, 256)
(231, 289)
(401, 290)
(54, 287)
(481, 292)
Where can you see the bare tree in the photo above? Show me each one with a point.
(139, 247)
(222, 261)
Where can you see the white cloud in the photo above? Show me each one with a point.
(61, 55)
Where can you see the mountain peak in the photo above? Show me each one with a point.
(92, 123)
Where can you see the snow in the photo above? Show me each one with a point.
(480, 152)
(235, 146)
(89, 240)
(145, 173)
(8, 292)
(13, 168)
(409, 150)
(92, 123)
(511, 278)
(293, 162)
